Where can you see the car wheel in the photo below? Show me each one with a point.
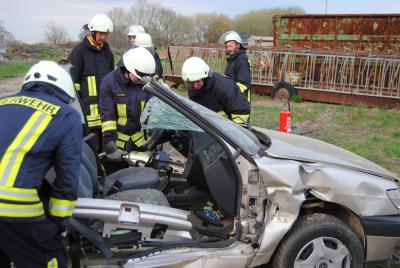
(320, 241)
(283, 91)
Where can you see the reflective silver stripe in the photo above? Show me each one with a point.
(94, 113)
(123, 136)
(15, 195)
(21, 210)
(61, 211)
(136, 136)
(92, 85)
(96, 123)
(53, 263)
(122, 119)
(240, 118)
(120, 144)
(61, 207)
(140, 141)
(110, 125)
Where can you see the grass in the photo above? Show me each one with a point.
(27, 55)
(16, 69)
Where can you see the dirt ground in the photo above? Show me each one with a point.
(11, 85)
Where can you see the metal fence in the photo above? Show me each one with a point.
(358, 75)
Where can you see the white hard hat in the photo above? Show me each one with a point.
(143, 40)
(101, 23)
(233, 36)
(194, 69)
(50, 72)
(135, 30)
(139, 61)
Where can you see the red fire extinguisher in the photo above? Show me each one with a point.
(285, 118)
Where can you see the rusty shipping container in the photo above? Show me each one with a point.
(361, 33)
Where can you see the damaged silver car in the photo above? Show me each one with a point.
(287, 201)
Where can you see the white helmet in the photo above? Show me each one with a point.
(143, 40)
(233, 36)
(194, 69)
(135, 30)
(50, 72)
(229, 36)
(139, 61)
(101, 23)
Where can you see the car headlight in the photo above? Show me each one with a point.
(394, 196)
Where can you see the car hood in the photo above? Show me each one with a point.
(291, 146)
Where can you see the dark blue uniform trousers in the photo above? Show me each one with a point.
(31, 244)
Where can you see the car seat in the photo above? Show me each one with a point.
(133, 184)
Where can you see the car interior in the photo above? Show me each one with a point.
(184, 169)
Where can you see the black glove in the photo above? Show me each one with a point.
(113, 152)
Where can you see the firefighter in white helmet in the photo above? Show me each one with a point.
(39, 130)
(238, 67)
(133, 31)
(91, 60)
(122, 101)
(145, 40)
(215, 91)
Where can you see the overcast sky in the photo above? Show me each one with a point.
(25, 18)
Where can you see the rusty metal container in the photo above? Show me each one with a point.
(360, 33)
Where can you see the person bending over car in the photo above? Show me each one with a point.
(215, 91)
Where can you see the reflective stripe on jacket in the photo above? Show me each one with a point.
(38, 131)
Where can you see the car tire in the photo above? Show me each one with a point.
(319, 240)
(283, 91)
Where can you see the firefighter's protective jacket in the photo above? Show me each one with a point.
(238, 69)
(89, 66)
(222, 95)
(38, 130)
(121, 103)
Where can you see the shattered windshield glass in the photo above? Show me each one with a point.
(158, 114)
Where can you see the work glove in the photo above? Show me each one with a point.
(114, 154)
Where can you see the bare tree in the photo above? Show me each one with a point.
(118, 37)
(55, 34)
(162, 23)
(208, 27)
(170, 27)
(143, 13)
(5, 36)
(201, 23)
(219, 23)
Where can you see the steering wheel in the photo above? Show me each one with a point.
(155, 136)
